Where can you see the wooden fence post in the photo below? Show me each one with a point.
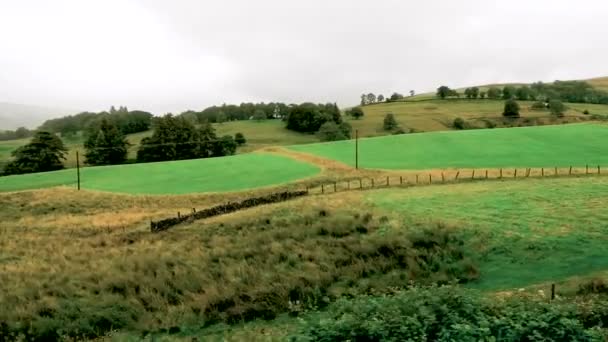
(193, 210)
(457, 174)
(387, 181)
(430, 179)
(552, 291)
(322, 189)
(500, 173)
(442, 177)
(179, 216)
(486, 174)
(570, 172)
(598, 169)
(473, 175)
(556, 173)
(587, 169)
(542, 172)
(515, 174)
(529, 172)
(416, 179)
(401, 179)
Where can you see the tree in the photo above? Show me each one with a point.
(105, 144)
(459, 123)
(396, 97)
(44, 152)
(371, 98)
(259, 115)
(309, 117)
(363, 99)
(225, 146)
(330, 131)
(494, 93)
(523, 93)
(221, 117)
(380, 98)
(511, 108)
(22, 132)
(389, 122)
(482, 94)
(412, 93)
(357, 113)
(239, 138)
(174, 138)
(467, 93)
(557, 108)
(474, 92)
(508, 92)
(443, 92)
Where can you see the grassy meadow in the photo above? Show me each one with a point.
(231, 173)
(84, 263)
(541, 146)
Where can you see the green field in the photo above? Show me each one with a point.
(232, 173)
(525, 232)
(543, 146)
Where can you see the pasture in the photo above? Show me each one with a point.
(541, 146)
(231, 173)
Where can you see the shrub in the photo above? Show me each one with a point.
(389, 122)
(239, 138)
(586, 112)
(448, 314)
(557, 108)
(511, 109)
(357, 113)
(459, 123)
(539, 105)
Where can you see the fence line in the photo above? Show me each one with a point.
(359, 184)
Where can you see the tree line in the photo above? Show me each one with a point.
(19, 133)
(371, 98)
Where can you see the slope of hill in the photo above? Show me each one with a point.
(17, 115)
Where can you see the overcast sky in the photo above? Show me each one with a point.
(173, 55)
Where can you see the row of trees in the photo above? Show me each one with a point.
(19, 133)
(568, 91)
(244, 111)
(127, 121)
(371, 98)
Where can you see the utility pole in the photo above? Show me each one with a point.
(78, 169)
(357, 149)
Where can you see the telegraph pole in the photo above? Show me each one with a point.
(357, 149)
(78, 169)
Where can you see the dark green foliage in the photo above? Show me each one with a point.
(482, 95)
(450, 314)
(586, 112)
(330, 131)
(176, 138)
(309, 117)
(396, 97)
(105, 144)
(557, 108)
(511, 109)
(508, 92)
(19, 133)
(259, 115)
(371, 98)
(459, 123)
(239, 138)
(244, 111)
(471, 93)
(523, 93)
(494, 93)
(390, 123)
(44, 152)
(126, 121)
(443, 92)
(356, 113)
(380, 98)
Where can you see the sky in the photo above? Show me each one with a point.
(174, 55)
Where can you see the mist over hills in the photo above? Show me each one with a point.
(13, 115)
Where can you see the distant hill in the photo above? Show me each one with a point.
(14, 115)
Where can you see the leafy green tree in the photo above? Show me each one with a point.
(494, 93)
(330, 131)
(259, 115)
(557, 108)
(412, 93)
(396, 97)
(44, 152)
(221, 117)
(443, 92)
(357, 113)
(474, 92)
(105, 144)
(363, 99)
(508, 92)
(225, 146)
(468, 93)
(511, 108)
(371, 98)
(174, 138)
(482, 94)
(309, 117)
(459, 123)
(22, 132)
(347, 129)
(239, 138)
(380, 98)
(523, 93)
(389, 122)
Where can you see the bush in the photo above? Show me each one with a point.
(389, 122)
(459, 123)
(356, 113)
(239, 138)
(557, 108)
(448, 314)
(539, 105)
(586, 112)
(511, 109)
